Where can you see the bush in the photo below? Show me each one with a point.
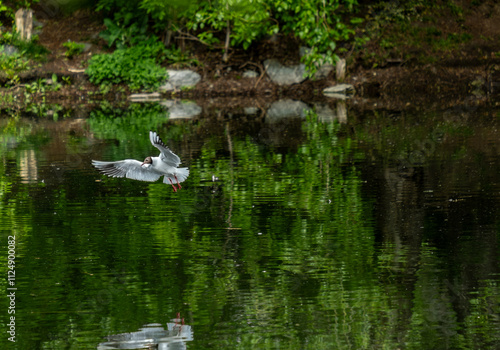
(127, 22)
(73, 49)
(28, 49)
(135, 66)
(318, 24)
(246, 21)
(5, 12)
(12, 64)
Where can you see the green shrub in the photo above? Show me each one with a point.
(176, 56)
(318, 24)
(73, 49)
(5, 12)
(29, 49)
(135, 66)
(131, 31)
(247, 21)
(12, 64)
(126, 22)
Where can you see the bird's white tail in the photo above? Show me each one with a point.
(181, 174)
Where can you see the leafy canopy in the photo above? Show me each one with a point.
(317, 23)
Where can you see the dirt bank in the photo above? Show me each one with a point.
(399, 74)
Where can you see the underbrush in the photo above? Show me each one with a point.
(136, 66)
(22, 56)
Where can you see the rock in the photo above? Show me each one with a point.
(295, 74)
(178, 79)
(37, 27)
(323, 71)
(86, 47)
(9, 50)
(155, 96)
(336, 96)
(341, 91)
(286, 109)
(282, 75)
(37, 23)
(181, 109)
(250, 74)
(250, 110)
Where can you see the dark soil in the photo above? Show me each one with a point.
(400, 74)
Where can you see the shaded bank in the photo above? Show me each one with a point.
(439, 56)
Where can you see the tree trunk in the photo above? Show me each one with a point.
(226, 45)
(24, 23)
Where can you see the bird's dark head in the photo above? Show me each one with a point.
(148, 161)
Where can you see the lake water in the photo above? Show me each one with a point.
(369, 229)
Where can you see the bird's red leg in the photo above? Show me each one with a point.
(179, 319)
(178, 184)
(175, 189)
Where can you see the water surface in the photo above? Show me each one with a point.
(377, 232)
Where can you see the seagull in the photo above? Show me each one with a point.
(151, 169)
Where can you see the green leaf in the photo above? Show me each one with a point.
(357, 20)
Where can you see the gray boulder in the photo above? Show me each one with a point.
(178, 79)
(340, 91)
(283, 75)
(250, 74)
(9, 50)
(145, 97)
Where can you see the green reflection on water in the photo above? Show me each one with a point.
(282, 252)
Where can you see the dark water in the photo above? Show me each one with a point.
(380, 232)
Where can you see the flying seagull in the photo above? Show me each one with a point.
(151, 169)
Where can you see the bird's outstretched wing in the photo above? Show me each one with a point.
(129, 168)
(166, 154)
